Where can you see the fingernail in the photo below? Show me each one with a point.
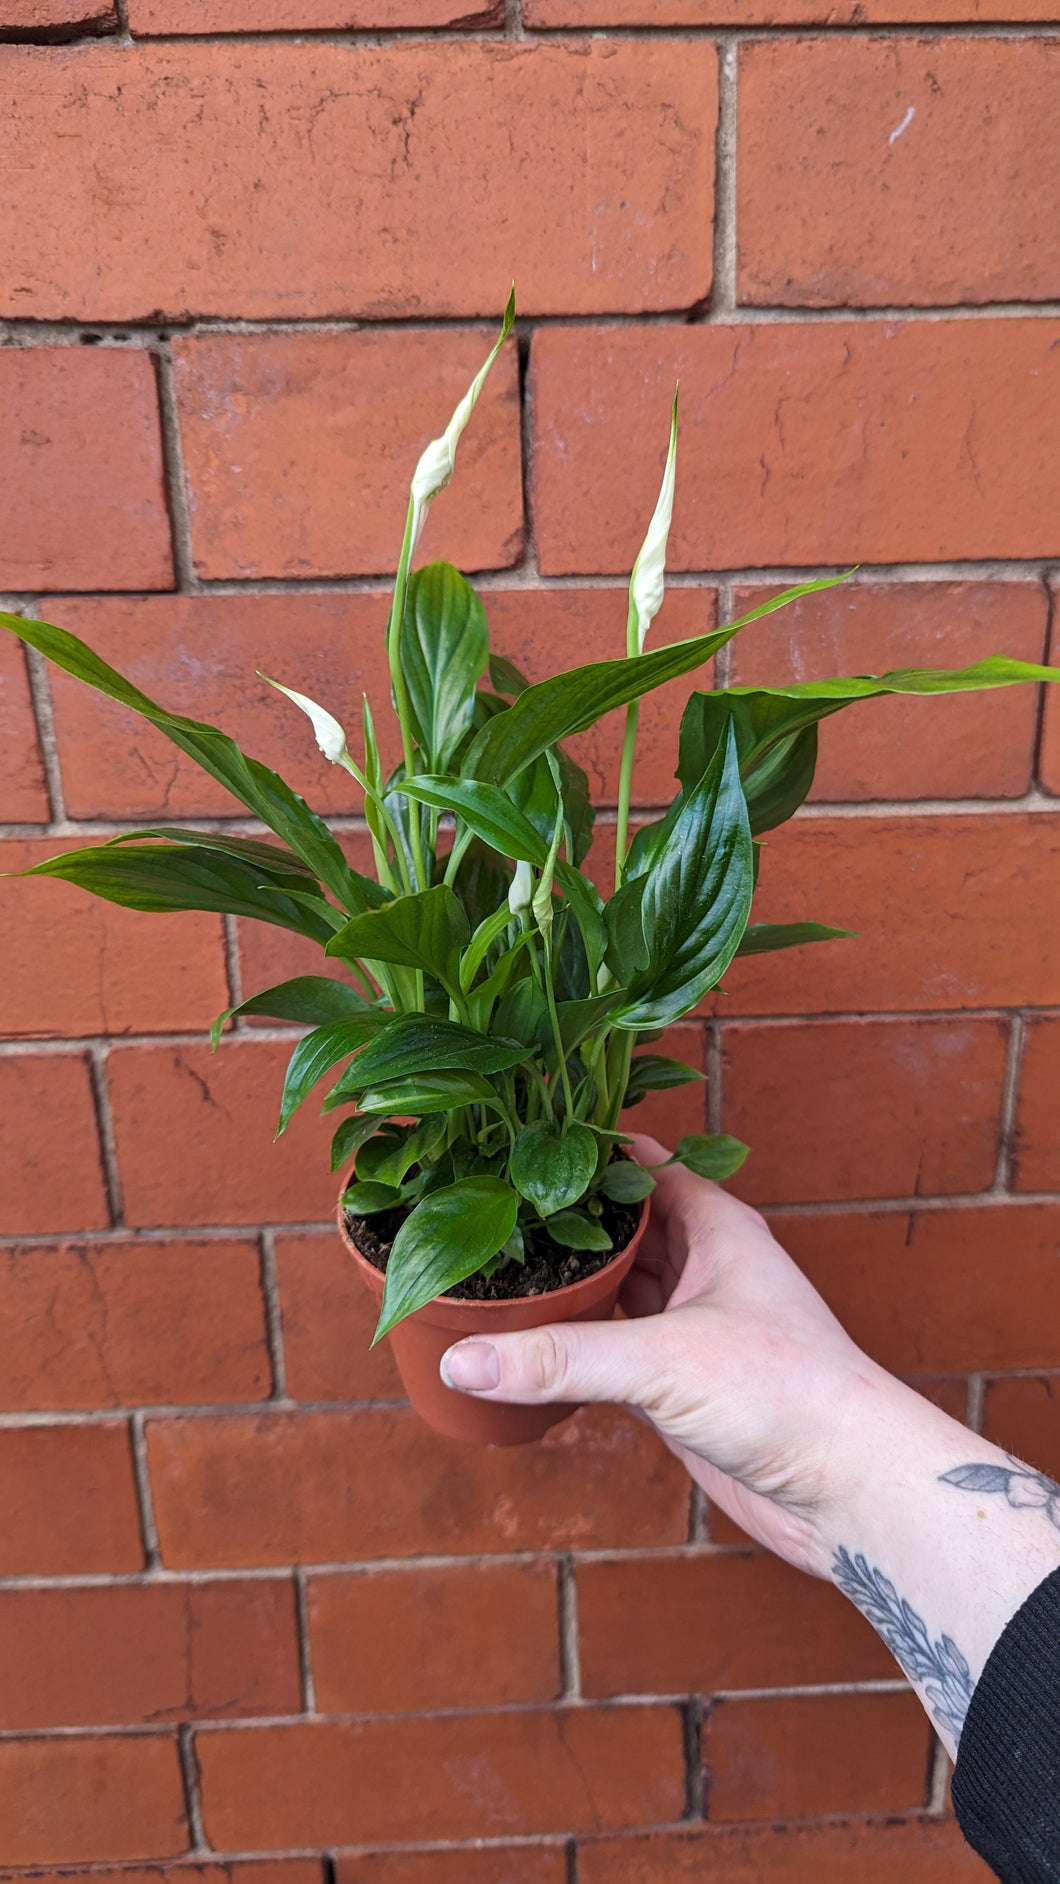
(472, 1366)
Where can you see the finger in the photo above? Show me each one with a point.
(567, 1361)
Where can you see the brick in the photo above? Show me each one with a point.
(194, 1131)
(200, 655)
(710, 1622)
(497, 1864)
(667, 1115)
(76, 965)
(49, 1146)
(949, 1394)
(945, 1290)
(107, 1797)
(409, 1640)
(23, 792)
(1050, 752)
(894, 178)
(975, 745)
(71, 1504)
(230, 1871)
(340, 1487)
(328, 1319)
(52, 20)
(259, 16)
(131, 1324)
(83, 504)
(545, 631)
(1036, 1144)
(837, 1109)
(591, 164)
(587, 13)
(923, 895)
(800, 1755)
(476, 1775)
(299, 450)
(1023, 1416)
(801, 442)
(149, 1652)
(921, 1851)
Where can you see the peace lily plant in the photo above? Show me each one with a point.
(482, 1060)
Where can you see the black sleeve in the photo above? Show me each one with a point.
(1006, 1788)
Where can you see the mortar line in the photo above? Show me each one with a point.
(726, 591)
(174, 470)
(233, 965)
(976, 1402)
(97, 1072)
(1050, 658)
(144, 1495)
(305, 1662)
(569, 1646)
(572, 1860)
(513, 20)
(192, 1779)
(383, 38)
(1009, 1102)
(528, 569)
(47, 741)
(938, 1778)
(270, 1291)
(697, 1515)
(694, 1713)
(722, 304)
(714, 1069)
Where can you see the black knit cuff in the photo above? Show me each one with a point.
(1006, 1787)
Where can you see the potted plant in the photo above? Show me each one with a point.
(481, 1063)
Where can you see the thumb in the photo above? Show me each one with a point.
(587, 1360)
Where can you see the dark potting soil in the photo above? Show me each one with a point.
(548, 1265)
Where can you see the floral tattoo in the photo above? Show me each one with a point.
(939, 1667)
(1021, 1487)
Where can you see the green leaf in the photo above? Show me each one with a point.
(506, 677)
(574, 1231)
(579, 1018)
(716, 1157)
(488, 811)
(584, 900)
(573, 701)
(697, 898)
(764, 938)
(430, 1092)
(273, 856)
(318, 1052)
(313, 999)
(578, 806)
(448, 1236)
(775, 726)
(626, 1183)
(414, 1044)
(426, 930)
(444, 649)
(365, 1199)
(165, 877)
(522, 1014)
(627, 949)
(261, 790)
(487, 933)
(653, 1072)
(350, 1135)
(552, 1169)
(386, 1158)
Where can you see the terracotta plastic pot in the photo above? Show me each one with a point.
(421, 1339)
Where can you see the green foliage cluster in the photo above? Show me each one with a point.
(482, 1060)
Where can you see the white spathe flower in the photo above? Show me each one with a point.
(437, 462)
(329, 734)
(647, 583)
(522, 888)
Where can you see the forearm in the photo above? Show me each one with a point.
(937, 1535)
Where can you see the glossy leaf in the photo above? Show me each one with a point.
(390, 1155)
(166, 877)
(349, 1136)
(575, 700)
(765, 938)
(261, 790)
(368, 1198)
(505, 677)
(416, 1098)
(448, 1236)
(319, 1051)
(579, 1018)
(426, 930)
(550, 1168)
(487, 933)
(522, 1014)
(573, 1230)
(625, 1182)
(586, 904)
(414, 1044)
(274, 857)
(626, 952)
(444, 650)
(697, 898)
(312, 999)
(653, 1072)
(717, 1156)
(488, 811)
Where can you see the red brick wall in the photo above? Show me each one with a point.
(255, 1622)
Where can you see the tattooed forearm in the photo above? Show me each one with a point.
(939, 1667)
(1018, 1484)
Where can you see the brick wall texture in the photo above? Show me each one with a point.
(257, 1625)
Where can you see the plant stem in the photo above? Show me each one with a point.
(550, 996)
(618, 1077)
(625, 787)
(401, 695)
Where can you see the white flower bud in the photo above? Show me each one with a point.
(329, 734)
(647, 583)
(437, 462)
(522, 888)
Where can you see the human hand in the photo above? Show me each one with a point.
(728, 1351)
